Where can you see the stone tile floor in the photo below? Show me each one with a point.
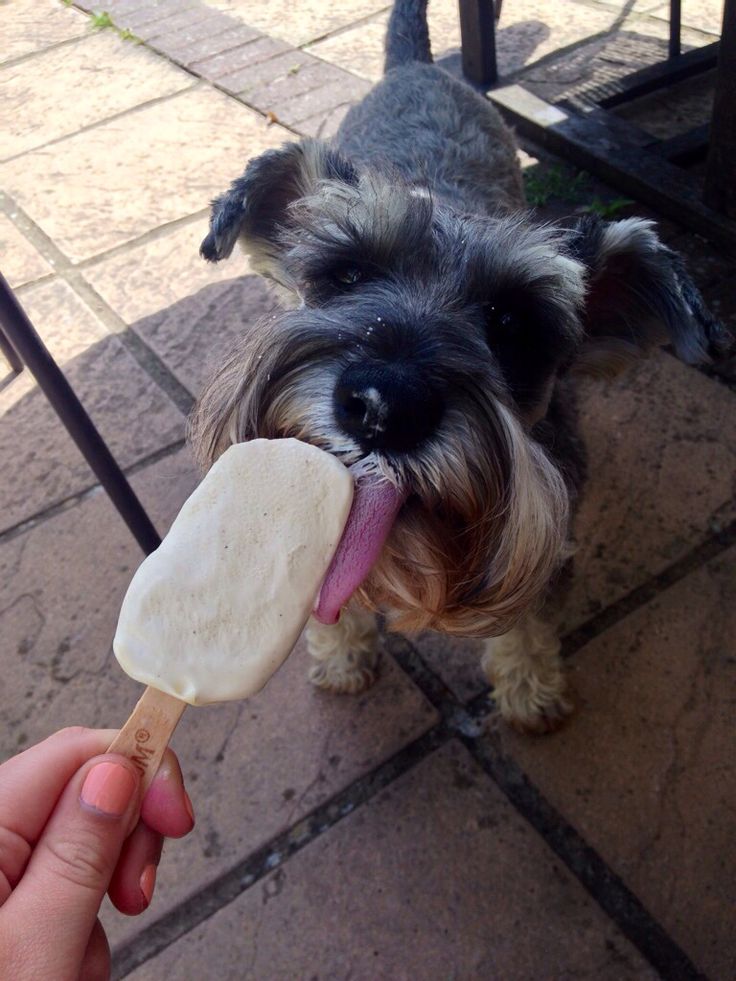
(393, 835)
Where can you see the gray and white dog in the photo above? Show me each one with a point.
(431, 347)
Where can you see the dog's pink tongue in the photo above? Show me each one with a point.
(375, 506)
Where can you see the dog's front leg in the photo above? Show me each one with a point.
(525, 669)
(346, 653)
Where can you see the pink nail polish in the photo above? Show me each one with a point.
(108, 788)
(147, 882)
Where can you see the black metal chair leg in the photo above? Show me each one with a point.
(21, 334)
(675, 46)
(478, 37)
(11, 355)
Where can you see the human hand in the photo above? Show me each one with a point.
(73, 827)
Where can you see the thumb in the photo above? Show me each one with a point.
(74, 859)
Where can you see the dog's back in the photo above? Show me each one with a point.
(432, 128)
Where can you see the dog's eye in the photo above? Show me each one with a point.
(347, 276)
(500, 319)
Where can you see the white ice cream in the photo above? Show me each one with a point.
(218, 607)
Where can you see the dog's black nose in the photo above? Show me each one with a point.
(387, 406)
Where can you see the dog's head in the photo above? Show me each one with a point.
(424, 348)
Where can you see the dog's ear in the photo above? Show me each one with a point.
(639, 296)
(256, 207)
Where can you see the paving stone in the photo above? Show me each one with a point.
(189, 311)
(106, 74)
(531, 30)
(21, 263)
(194, 336)
(270, 82)
(176, 22)
(324, 125)
(204, 47)
(32, 25)
(115, 8)
(369, 899)
(236, 59)
(626, 6)
(456, 660)
(147, 278)
(260, 76)
(645, 770)
(196, 36)
(342, 92)
(359, 49)
(704, 15)
(41, 465)
(662, 457)
(194, 143)
(137, 16)
(297, 24)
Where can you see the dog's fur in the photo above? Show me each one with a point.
(421, 288)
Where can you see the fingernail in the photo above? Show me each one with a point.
(147, 882)
(108, 788)
(188, 805)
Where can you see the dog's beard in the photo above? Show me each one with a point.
(484, 527)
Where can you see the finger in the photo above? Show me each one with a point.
(166, 806)
(30, 786)
(167, 810)
(134, 878)
(33, 781)
(97, 961)
(71, 867)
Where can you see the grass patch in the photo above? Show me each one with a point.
(542, 185)
(607, 209)
(101, 20)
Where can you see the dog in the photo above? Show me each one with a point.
(430, 339)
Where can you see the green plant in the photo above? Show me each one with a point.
(607, 209)
(541, 184)
(101, 20)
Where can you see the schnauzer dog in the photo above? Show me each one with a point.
(431, 343)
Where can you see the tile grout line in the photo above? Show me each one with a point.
(195, 83)
(54, 46)
(232, 883)
(345, 29)
(622, 907)
(697, 558)
(15, 531)
(60, 262)
(134, 344)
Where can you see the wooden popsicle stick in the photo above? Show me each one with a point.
(146, 734)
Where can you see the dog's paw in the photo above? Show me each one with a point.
(347, 674)
(533, 708)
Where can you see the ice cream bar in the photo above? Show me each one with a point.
(217, 608)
